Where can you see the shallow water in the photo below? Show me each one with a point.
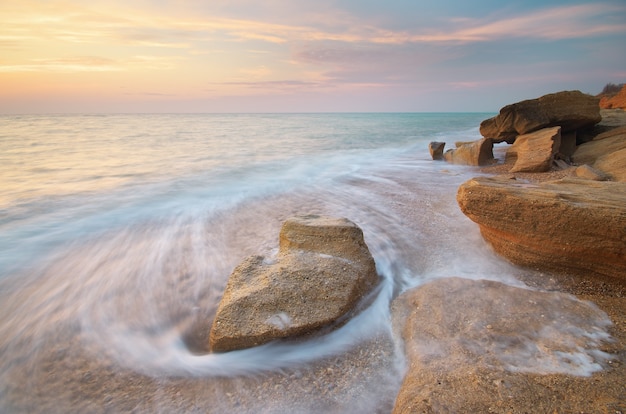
(118, 233)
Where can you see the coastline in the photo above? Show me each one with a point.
(472, 387)
(68, 378)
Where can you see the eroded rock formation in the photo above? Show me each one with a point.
(322, 270)
(535, 151)
(572, 225)
(571, 110)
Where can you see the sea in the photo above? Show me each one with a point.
(118, 233)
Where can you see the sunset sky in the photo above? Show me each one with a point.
(302, 56)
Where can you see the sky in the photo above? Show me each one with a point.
(153, 56)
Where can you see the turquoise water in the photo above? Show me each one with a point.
(118, 233)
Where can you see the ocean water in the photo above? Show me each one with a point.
(118, 234)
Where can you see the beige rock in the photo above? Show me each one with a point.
(613, 164)
(474, 345)
(477, 153)
(589, 152)
(571, 225)
(607, 153)
(587, 172)
(322, 271)
(571, 110)
(534, 152)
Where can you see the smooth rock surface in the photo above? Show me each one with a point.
(571, 225)
(571, 110)
(534, 152)
(473, 345)
(606, 152)
(322, 270)
(613, 164)
(587, 172)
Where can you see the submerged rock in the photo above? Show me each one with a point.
(571, 110)
(472, 345)
(572, 225)
(322, 271)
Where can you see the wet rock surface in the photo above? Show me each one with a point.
(322, 270)
(482, 346)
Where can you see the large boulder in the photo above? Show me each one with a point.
(478, 346)
(570, 225)
(571, 110)
(534, 152)
(479, 152)
(322, 270)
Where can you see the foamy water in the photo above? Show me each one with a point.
(118, 233)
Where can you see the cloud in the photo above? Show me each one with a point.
(70, 64)
(568, 22)
(275, 86)
(153, 29)
(74, 64)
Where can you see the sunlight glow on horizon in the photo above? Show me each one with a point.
(78, 56)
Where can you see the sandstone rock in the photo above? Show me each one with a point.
(612, 119)
(471, 345)
(323, 269)
(571, 225)
(571, 110)
(436, 150)
(589, 173)
(534, 152)
(616, 101)
(478, 152)
(613, 164)
(607, 153)
(589, 152)
(612, 132)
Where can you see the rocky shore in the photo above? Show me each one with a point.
(557, 342)
(553, 343)
(556, 219)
